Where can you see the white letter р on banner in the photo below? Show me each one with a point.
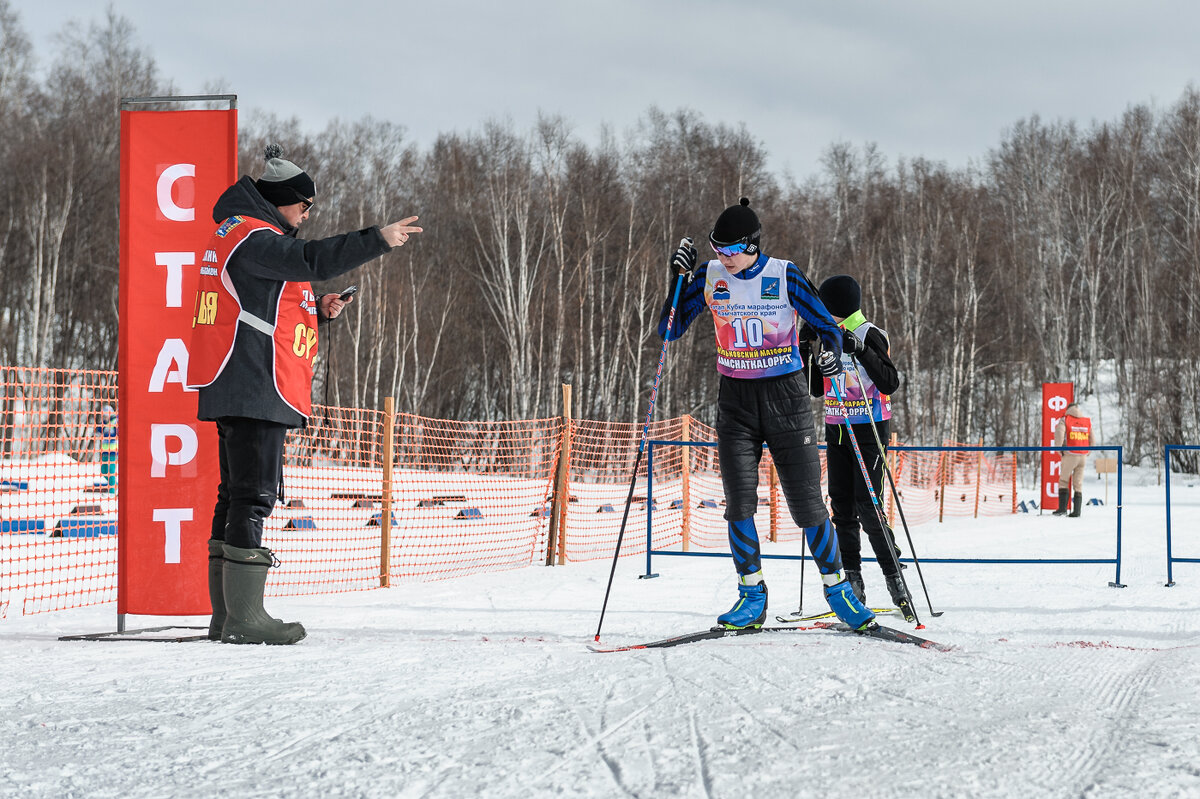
(160, 457)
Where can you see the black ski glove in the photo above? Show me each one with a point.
(684, 260)
(851, 344)
(829, 364)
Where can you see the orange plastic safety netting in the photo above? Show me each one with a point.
(953, 484)
(58, 482)
(464, 497)
(471, 496)
(602, 458)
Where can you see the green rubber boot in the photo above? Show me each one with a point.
(216, 593)
(244, 577)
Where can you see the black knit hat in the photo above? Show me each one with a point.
(736, 224)
(283, 183)
(841, 295)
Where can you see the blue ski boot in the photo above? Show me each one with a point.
(751, 608)
(844, 603)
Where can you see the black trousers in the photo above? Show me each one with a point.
(848, 498)
(251, 457)
(776, 412)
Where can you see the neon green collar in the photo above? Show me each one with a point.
(853, 321)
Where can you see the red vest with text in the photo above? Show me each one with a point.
(219, 319)
(1079, 433)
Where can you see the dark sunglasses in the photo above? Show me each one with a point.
(300, 198)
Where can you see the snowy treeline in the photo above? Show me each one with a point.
(545, 256)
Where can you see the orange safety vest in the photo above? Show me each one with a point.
(1079, 433)
(219, 318)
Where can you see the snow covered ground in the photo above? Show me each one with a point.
(1059, 686)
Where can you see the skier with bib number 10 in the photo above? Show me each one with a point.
(758, 304)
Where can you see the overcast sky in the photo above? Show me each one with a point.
(940, 79)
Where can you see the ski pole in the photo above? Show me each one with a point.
(862, 465)
(662, 357)
(887, 470)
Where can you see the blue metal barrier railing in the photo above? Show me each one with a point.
(1114, 561)
(1171, 559)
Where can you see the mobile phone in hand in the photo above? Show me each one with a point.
(348, 293)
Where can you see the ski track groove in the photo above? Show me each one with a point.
(751, 713)
(699, 744)
(598, 739)
(1115, 703)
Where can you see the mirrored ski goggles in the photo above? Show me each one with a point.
(728, 249)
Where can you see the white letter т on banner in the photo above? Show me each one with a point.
(172, 530)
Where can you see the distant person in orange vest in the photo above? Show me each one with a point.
(253, 343)
(1072, 432)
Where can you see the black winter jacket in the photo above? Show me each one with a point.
(259, 268)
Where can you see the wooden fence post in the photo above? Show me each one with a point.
(685, 434)
(978, 477)
(385, 515)
(943, 469)
(774, 483)
(895, 458)
(557, 541)
(1014, 483)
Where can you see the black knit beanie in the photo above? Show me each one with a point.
(841, 295)
(283, 183)
(737, 222)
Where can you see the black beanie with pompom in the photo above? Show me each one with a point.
(282, 182)
(737, 222)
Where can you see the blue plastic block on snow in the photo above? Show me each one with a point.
(84, 528)
(22, 525)
(469, 513)
(301, 523)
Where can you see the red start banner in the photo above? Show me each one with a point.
(1055, 399)
(174, 166)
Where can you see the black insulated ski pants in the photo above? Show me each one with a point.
(775, 411)
(848, 497)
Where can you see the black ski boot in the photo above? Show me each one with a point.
(1078, 506)
(900, 595)
(1062, 503)
(856, 585)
